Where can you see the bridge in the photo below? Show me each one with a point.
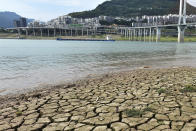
(67, 31)
(152, 32)
(53, 31)
(131, 33)
(149, 31)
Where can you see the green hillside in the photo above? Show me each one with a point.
(129, 8)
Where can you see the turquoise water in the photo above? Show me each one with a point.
(26, 64)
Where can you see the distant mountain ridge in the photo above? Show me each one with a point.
(7, 18)
(131, 8)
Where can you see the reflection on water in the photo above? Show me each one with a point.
(27, 64)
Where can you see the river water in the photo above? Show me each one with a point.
(26, 64)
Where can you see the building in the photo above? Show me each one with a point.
(17, 23)
(22, 22)
(67, 21)
(36, 23)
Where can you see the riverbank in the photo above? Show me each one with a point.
(99, 37)
(145, 99)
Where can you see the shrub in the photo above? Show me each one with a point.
(18, 113)
(160, 91)
(134, 113)
(188, 88)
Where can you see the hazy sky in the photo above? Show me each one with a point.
(192, 2)
(47, 9)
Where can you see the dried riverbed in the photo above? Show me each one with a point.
(146, 99)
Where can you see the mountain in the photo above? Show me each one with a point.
(131, 8)
(190, 9)
(7, 18)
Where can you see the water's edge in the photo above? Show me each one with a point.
(29, 64)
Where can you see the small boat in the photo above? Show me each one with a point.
(61, 39)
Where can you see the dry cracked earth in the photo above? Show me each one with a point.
(158, 99)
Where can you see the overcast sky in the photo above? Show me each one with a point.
(192, 2)
(47, 9)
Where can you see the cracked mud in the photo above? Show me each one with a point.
(155, 99)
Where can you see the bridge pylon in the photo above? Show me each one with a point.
(182, 21)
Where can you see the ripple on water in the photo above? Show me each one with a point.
(26, 64)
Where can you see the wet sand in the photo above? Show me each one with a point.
(145, 99)
(2, 91)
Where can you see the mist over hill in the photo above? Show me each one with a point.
(7, 18)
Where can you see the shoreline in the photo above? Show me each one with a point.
(163, 39)
(163, 98)
(79, 81)
(99, 37)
